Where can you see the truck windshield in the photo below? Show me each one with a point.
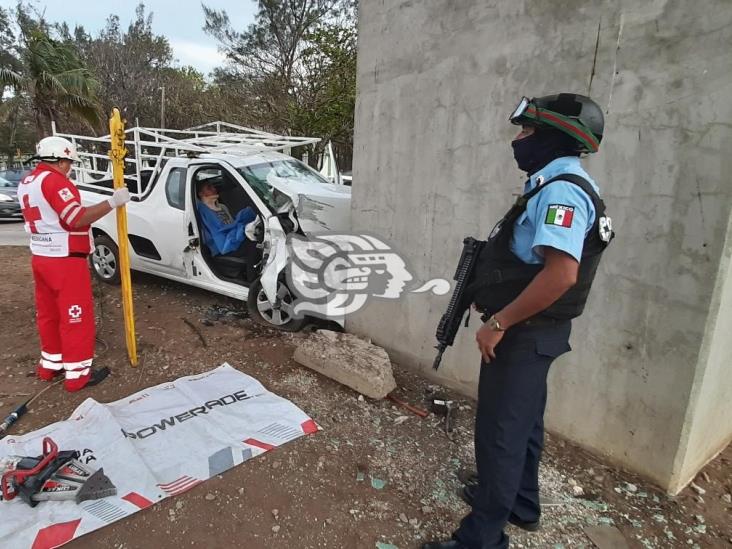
(293, 170)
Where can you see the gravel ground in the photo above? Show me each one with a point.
(376, 476)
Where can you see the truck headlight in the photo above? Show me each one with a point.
(5, 198)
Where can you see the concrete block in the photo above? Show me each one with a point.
(350, 360)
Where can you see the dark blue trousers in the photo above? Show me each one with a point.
(509, 432)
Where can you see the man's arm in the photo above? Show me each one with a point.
(90, 214)
(65, 199)
(558, 275)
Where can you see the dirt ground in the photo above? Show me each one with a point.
(376, 476)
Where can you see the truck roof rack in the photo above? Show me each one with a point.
(150, 148)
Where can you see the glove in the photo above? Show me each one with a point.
(120, 197)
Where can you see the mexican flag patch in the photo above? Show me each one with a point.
(560, 215)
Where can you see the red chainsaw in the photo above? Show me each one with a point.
(53, 476)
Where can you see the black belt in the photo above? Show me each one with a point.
(541, 321)
(78, 254)
(533, 321)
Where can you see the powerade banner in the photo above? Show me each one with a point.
(154, 444)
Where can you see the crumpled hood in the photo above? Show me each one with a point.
(319, 206)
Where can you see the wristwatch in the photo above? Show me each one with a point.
(495, 325)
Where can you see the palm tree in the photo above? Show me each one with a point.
(53, 79)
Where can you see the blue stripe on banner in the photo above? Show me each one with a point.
(220, 461)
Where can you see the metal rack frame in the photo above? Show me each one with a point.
(151, 148)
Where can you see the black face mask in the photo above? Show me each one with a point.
(541, 147)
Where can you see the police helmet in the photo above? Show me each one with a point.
(576, 115)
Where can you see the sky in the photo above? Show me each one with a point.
(181, 21)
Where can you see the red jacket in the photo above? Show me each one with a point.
(50, 203)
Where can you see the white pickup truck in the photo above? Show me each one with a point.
(249, 169)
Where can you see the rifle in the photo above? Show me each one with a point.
(459, 302)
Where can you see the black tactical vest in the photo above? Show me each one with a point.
(500, 276)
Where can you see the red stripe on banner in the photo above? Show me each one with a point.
(175, 483)
(55, 535)
(309, 427)
(136, 499)
(259, 444)
(185, 487)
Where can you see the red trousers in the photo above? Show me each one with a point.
(65, 318)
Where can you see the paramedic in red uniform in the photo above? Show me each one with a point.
(60, 243)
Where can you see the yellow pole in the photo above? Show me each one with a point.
(117, 154)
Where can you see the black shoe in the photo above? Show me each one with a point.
(468, 477)
(534, 526)
(449, 544)
(97, 376)
(468, 496)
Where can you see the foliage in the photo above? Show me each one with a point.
(292, 71)
(290, 65)
(131, 65)
(48, 76)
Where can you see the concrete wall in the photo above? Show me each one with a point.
(708, 426)
(432, 164)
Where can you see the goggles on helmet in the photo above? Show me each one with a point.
(519, 110)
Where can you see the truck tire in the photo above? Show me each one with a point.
(262, 311)
(104, 260)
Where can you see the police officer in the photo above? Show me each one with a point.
(60, 241)
(533, 276)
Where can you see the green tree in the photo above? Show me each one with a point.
(131, 65)
(293, 70)
(325, 99)
(50, 76)
(8, 58)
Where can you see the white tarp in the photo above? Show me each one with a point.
(154, 444)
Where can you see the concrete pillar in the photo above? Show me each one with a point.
(649, 378)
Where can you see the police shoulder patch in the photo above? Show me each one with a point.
(559, 215)
(66, 195)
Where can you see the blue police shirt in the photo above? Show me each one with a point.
(559, 216)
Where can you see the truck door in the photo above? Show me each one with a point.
(197, 270)
(157, 229)
(173, 229)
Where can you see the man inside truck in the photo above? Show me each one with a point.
(222, 233)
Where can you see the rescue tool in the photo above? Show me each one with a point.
(20, 411)
(53, 476)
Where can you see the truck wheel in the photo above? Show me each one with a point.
(262, 310)
(105, 260)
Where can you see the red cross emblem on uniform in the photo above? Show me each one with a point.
(67, 151)
(31, 214)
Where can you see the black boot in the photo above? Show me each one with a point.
(448, 544)
(97, 376)
(468, 496)
(468, 476)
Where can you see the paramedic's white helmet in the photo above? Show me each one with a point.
(56, 148)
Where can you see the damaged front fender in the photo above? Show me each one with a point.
(275, 249)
